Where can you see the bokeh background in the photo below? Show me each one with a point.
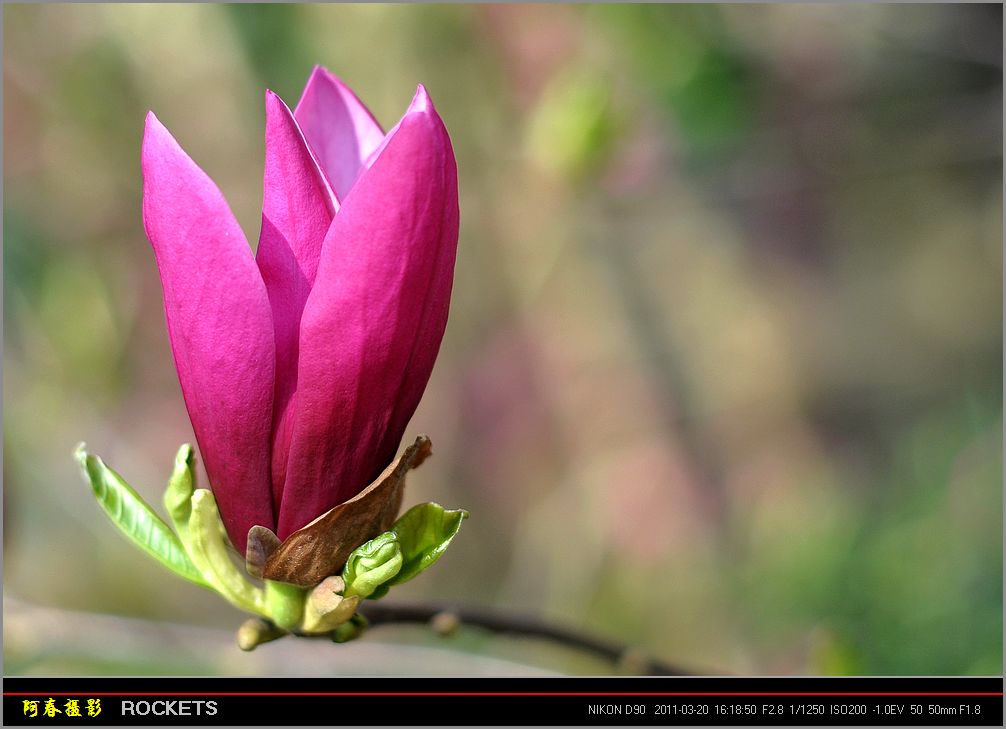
(723, 375)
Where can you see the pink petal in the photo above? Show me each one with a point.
(373, 323)
(297, 210)
(340, 129)
(219, 324)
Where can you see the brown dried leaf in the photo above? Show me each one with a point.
(320, 549)
(262, 542)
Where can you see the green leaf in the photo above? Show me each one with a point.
(134, 518)
(181, 486)
(372, 564)
(424, 533)
(207, 547)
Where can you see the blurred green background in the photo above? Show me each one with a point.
(723, 375)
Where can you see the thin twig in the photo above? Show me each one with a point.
(35, 633)
(445, 618)
(46, 640)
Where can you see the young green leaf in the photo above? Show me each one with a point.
(424, 532)
(207, 547)
(181, 485)
(372, 564)
(134, 518)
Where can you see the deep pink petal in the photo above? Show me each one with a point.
(340, 129)
(297, 210)
(219, 324)
(373, 323)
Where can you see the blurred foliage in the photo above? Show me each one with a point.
(723, 375)
(680, 53)
(573, 129)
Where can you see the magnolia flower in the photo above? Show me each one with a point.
(302, 365)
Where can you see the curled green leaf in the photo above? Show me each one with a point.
(181, 486)
(372, 564)
(207, 548)
(424, 532)
(135, 518)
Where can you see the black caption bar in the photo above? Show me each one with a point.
(467, 701)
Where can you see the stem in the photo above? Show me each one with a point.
(284, 603)
(450, 617)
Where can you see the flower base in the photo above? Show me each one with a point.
(311, 583)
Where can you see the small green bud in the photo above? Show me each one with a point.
(255, 631)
